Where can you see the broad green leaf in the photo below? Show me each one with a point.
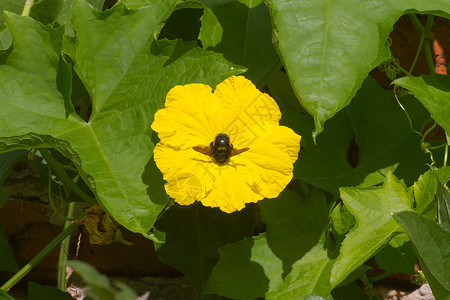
(433, 245)
(127, 74)
(294, 225)
(382, 135)
(398, 256)
(372, 209)
(99, 286)
(443, 174)
(310, 274)
(329, 47)
(193, 234)
(46, 11)
(433, 91)
(7, 260)
(8, 160)
(246, 270)
(424, 195)
(37, 291)
(295, 229)
(241, 30)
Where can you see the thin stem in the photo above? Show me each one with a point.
(422, 38)
(379, 277)
(41, 255)
(59, 170)
(64, 250)
(27, 8)
(427, 44)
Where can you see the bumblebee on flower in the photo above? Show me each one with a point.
(225, 148)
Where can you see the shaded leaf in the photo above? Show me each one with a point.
(246, 270)
(443, 206)
(193, 234)
(382, 134)
(7, 260)
(37, 291)
(328, 47)
(46, 11)
(433, 245)
(8, 160)
(398, 256)
(241, 30)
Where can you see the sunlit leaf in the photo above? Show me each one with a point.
(112, 149)
(433, 91)
(372, 209)
(329, 47)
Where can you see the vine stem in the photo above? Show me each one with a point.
(64, 250)
(27, 8)
(37, 259)
(55, 165)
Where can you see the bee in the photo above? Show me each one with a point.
(221, 149)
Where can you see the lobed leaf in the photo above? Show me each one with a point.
(127, 74)
(372, 209)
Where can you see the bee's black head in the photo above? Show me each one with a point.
(222, 140)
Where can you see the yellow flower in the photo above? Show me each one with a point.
(199, 166)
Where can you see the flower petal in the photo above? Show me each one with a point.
(246, 111)
(268, 164)
(187, 119)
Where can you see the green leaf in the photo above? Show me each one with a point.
(294, 225)
(37, 291)
(127, 74)
(5, 296)
(329, 46)
(246, 270)
(99, 286)
(433, 245)
(46, 11)
(398, 256)
(7, 260)
(8, 160)
(433, 91)
(193, 234)
(372, 209)
(424, 195)
(350, 291)
(382, 134)
(443, 206)
(295, 229)
(241, 30)
(15, 6)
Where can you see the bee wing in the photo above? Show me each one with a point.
(238, 151)
(203, 150)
